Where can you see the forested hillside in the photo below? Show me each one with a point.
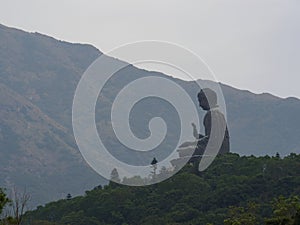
(234, 190)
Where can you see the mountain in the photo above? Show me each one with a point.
(38, 153)
(38, 78)
(262, 124)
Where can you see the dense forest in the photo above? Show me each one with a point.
(234, 190)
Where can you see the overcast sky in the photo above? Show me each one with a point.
(249, 44)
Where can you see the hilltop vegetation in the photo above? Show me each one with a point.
(233, 190)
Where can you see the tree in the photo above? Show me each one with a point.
(154, 166)
(18, 206)
(3, 200)
(286, 211)
(114, 176)
(242, 216)
(297, 219)
(69, 196)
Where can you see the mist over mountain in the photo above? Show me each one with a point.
(38, 78)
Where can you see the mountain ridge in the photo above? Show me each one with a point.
(44, 72)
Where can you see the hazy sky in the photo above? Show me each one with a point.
(249, 44)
